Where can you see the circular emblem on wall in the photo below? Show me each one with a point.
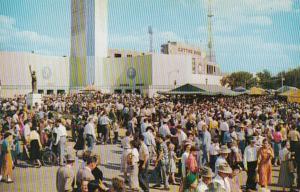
(131, 73)
(47, 73)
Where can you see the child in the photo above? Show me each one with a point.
(116, 132)
(173, 159)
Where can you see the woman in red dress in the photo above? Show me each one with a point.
(265, 156)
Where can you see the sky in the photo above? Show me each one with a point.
(249, 35)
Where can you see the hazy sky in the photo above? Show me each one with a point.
(249, 35)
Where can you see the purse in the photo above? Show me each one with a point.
(291, 166)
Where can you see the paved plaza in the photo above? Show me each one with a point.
(29, 179)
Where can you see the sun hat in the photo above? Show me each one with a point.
(206, 172)
(224, 149)
(224, 168)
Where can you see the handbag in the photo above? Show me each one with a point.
(291, 166)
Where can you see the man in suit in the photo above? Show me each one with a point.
(86, 172)
(65, 175)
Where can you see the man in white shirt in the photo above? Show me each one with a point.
(224, 127)
(206, 142)
(61, 132)
(206, 179)
(224, 151)
(104, 121)
(222, 177)
(144, 125)
(250, 164)
(26, 131)
(164, 129)
(184, 157)
(149, 140)
(181, 135)
(89, 134)
(143, 165)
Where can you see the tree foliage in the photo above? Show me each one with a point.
(263, 79)
(237, 79)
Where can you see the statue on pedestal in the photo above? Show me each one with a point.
(33, 80)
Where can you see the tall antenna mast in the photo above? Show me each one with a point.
(210, 14)
(150, 32)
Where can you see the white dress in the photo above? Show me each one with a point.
(134, 170)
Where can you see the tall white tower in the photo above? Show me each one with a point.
(88, 40)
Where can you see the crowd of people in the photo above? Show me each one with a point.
(200, 144)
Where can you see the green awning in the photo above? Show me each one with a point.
(200, 89)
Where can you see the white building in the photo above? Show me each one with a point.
(144, 74)
(52, 73)
(91, 63)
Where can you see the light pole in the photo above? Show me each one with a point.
(282, 79)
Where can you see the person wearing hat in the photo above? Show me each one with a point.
(250, 164)
(89, 134)
(224, 152)
(206, 175)
(6, 158)
(162, 163)
(206, 142)
(184, 157)
(149, 140)
(181, 135)
(65, 175)
(222, 177)
(164, 130)
(144, 125)
(241, 137)
(61, 139)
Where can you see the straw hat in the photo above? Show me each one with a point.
(70, 157)
(224, 149)
(206, 172)
(225, 168)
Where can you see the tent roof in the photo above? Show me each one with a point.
(200, 89)
(286, 88)
(294, 96)
(257, 91)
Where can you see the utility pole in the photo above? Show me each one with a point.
(282, 79)
(210, 15)
(150, 32)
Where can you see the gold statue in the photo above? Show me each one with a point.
(33, 80)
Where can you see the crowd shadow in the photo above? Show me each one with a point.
(113, 166)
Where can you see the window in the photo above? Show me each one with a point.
(61, 92)
(50, 92)
(210, 69)
(194, 66)
(129, 55)
(40, 91)
(118, 91)
(118, 55)
(138, 91)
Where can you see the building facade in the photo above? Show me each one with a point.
(52, 73)
(200, 65)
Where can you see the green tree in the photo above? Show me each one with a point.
(237, 79)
